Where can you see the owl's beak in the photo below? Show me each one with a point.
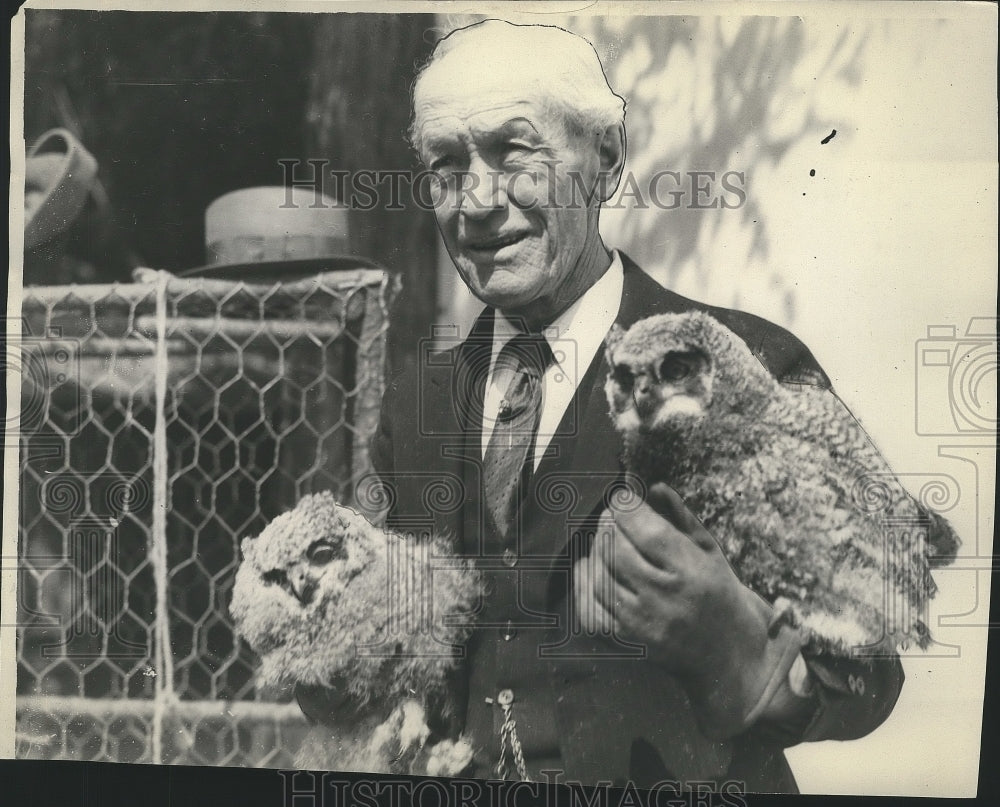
(299, 585)
(642, 393)
(302, 588)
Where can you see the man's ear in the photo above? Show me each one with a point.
(612, 156)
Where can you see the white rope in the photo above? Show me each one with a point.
(163, 663)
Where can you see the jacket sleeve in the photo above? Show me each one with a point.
(855, 697)
(850, 698)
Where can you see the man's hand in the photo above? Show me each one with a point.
(657, 576)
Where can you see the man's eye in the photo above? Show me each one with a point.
(322, 552)
(515, 150)
(442, 164)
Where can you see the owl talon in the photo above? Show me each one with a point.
(783, 615)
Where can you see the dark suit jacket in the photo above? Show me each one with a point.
(617, 718)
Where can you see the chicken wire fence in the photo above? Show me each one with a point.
(160, 424)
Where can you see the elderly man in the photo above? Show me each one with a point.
(694, 683)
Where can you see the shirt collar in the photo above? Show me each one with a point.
(579, 330)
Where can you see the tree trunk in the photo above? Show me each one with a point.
(357, 117)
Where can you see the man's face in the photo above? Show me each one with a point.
(515, 205)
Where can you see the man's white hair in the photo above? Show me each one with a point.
(560, 69)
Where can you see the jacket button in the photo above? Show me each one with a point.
(508, 632)
(509, 558)
(505, 697)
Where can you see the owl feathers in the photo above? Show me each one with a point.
(803, 506)
(327, 599)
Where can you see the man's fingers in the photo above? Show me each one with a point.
(615, 599)
(591, 614)
(618, 570)
(667, 502)
(600, 621)
(655, 538)
(616, 557)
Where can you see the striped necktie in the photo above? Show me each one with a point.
(507, 462)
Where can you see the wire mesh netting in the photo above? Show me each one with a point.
(161, 423)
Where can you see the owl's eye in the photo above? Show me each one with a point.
(322, 552)
(624, 377)
(675, 367)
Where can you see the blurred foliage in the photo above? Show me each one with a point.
(358, 113)
(721, 94)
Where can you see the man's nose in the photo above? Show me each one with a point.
(482, 191)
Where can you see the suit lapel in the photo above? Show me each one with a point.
(583, 457)
(585, 451)
(649, 709)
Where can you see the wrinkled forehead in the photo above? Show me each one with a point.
(467, 89)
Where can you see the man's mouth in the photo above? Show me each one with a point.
(495, 242)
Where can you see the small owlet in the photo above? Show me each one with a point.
(783, 477)
(327, 599)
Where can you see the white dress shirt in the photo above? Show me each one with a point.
(574, 337)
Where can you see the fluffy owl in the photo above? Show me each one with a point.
(804, 507)
(326, 598)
